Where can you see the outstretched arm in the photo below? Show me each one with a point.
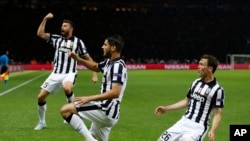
(94, 74)
(41, 29)
(113, 93)
(179, 105)
(89, 63)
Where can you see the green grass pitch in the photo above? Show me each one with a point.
(145, 90)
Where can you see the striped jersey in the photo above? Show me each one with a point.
(114, 71)
(203, 98)
(62, 63)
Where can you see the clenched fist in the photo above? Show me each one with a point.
(49, 16)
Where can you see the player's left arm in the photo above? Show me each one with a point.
(113, 93)
(215, 123)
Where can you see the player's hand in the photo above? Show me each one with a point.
(94, 77)
(73, 55)
(81, 100)
(211, 136)
(49, 16)
(160, 110)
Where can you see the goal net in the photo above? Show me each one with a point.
(233, 59)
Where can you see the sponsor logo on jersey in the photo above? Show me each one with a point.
(198, 97)
(64, 49)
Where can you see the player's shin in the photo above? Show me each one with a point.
(42, 107)
(77, 123)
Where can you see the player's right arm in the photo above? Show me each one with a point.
(41, 29)
(89, 63)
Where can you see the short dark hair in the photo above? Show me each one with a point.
(70, 22)
(117, 41)
(211, 61)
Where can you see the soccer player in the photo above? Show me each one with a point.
(102, 109)
(65, 71)
(4, 62)
(204, 96)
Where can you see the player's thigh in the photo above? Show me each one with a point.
(69, 78)
(190, 136)
(97, 116)
(192, 131)
(173, 133)
(170, 136)
(52, 84)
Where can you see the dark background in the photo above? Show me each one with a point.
(154, 30)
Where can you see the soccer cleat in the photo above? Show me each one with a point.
(65, 122)
(40, 126)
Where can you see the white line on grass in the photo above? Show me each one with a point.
(22, 84)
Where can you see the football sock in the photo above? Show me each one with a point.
(42, 107)
(70, 97)
(77, 123)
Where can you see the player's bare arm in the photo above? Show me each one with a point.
(89, 63)
(179, 105)
(215, 123)
(94, 74)
(113, 93)
(41, 29)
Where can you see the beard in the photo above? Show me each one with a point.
(64, 33)
(107, 54)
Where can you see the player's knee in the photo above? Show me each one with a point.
(66, 110)
(42, 96)
(67, 89)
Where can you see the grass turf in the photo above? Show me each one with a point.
(145, 91)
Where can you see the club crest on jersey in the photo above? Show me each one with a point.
(207, 91)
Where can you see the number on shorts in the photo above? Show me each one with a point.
(165, 136)
(45, 84)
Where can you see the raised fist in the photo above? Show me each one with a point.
(49, 16)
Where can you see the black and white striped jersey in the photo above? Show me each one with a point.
(114, 71)
(203, 98)
(62, 63)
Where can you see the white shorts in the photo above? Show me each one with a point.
(55, 81)
(184, 130)
(101, 124)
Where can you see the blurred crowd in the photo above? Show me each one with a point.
(176, 34)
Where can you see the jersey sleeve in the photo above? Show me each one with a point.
(118, 73)
(219, 98)
(102, 64)
(81, 48)
(190, 90)
(189, 93)
(52, 39)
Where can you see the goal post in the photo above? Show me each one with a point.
(233, 59)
